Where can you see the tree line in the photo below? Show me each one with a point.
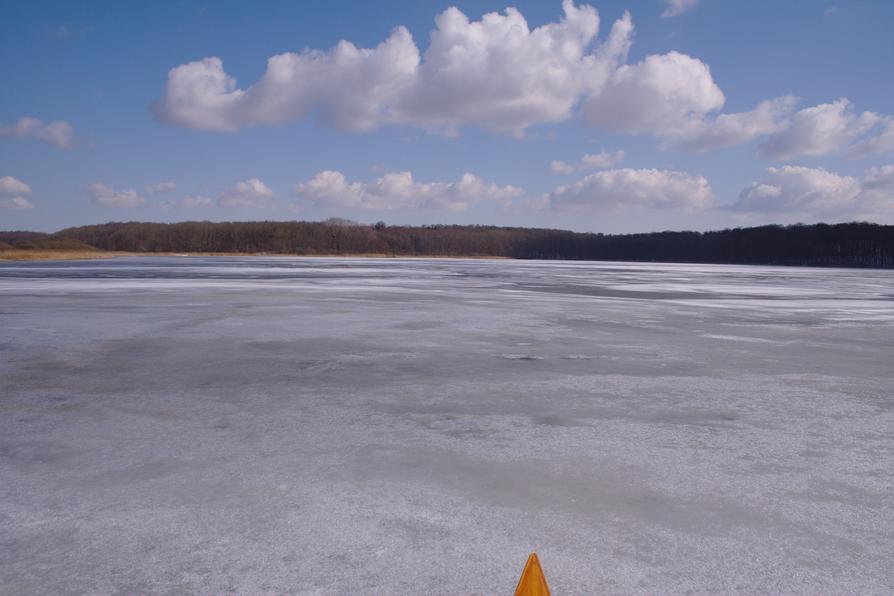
(842, 245)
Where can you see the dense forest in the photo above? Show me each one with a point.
(846, 244)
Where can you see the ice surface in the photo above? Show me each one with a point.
(347, 426)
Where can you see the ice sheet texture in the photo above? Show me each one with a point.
(347, 426)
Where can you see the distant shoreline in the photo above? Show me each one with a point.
(855, 244)
(74, 255)
(54, 255)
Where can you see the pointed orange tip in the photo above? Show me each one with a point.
(532, 582)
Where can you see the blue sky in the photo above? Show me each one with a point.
(727, 113)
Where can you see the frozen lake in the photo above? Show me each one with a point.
(414, 427)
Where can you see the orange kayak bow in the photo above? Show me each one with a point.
(532, 581)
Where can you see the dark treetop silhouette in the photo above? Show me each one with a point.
(842, 245)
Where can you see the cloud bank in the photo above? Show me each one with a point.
(501, 75)
(657, 95)
(496, 73)
(249, 194)
(58, 133)
(813, 194)
(16, 204)
(13, 186)
(398, 190)
(13, 190)
(160, 188)
(831, 128)
(590, 161)
(699, 134)
(648, 188)
(105, 196)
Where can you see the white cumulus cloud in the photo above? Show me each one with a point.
(15, 204)
(649, 188)
(880, 141)
(811, 194)
(831, 128)
(160, 188)
(661, 95)
(13, 186)
(398, 190)
(105, 196)
(594, 161)
(249, 194)
(881, 178)
(59, 132)
(352, 87)
(500, 74)
(824, 129)
(495, 72)
(677, 7)
(561, 167)
(704, 134)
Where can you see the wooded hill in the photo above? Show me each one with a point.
(843, 245)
